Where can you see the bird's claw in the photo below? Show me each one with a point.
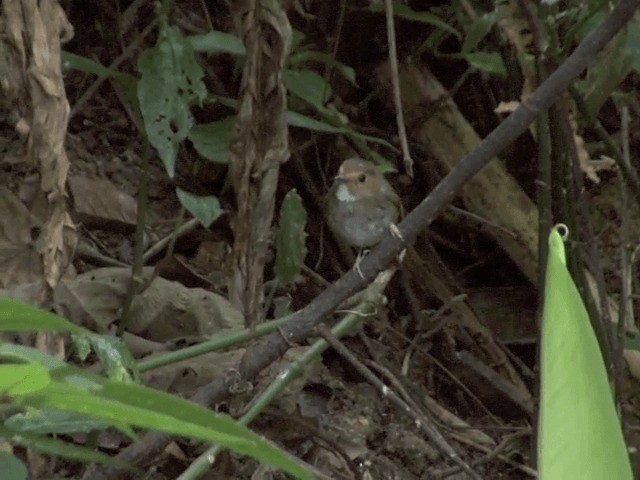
(356, 266)
(393, 228)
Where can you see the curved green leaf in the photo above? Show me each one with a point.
(579, 431)
(16, 316)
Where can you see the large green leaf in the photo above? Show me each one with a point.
(20, 317)
(122, 404)
(579, 431)
(22, 379)
(48, 421)
(171, 81)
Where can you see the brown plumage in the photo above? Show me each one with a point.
(361, 204)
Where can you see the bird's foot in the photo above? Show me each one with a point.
(393, 228)
(356, 266)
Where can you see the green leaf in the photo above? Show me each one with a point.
(171, 81)
(217, 42)
(383, 164)
(490, 62)
(211, 140)
(300, 58)
(290, 240)
(49, 421)
(477, 31)
(295, 119)
(22, 379)
(579, 433)
(115, 357)
(19, 317)
(309, 86)
(11, 353)
(296, 39)
(11, 467)
(86, 65)
(59, 448)
(205, 209)
(407, 13)
(82, 346)
(143, 407)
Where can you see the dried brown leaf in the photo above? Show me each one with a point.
(99, 203)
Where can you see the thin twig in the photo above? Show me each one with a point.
(162, 243)
(136, 282)
(420, 420)
(395, 82)
(626, 302)
(496, 454)
(89, 92)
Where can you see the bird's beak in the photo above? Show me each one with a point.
(339, 178)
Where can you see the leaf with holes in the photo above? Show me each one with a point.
(171, 81)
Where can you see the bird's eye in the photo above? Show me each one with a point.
(362, 177)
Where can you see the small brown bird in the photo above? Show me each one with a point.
(362, 206)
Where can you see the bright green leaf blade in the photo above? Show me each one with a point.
(23, 379)
(217, 42)
(205, 209)
(11, 467)
(146, 408)
(211, 140)
(579, 431)
(192, 420)
(171, 81)
(307, 85)
(12, 352)
(50, 421)
(290, 239)
(490, 62)
(19, 317)
(143, 411)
